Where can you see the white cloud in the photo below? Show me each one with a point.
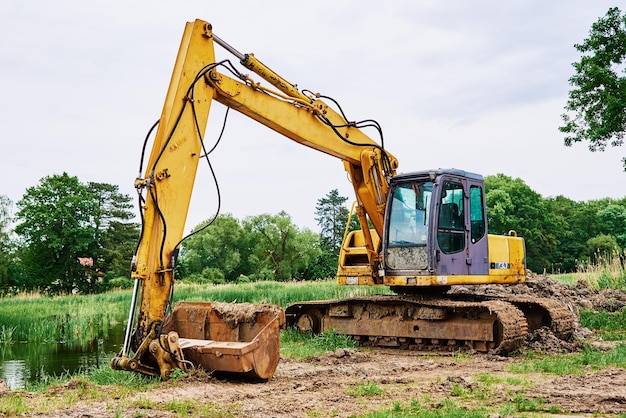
(474, 85)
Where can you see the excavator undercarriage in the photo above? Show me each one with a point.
(435, 323)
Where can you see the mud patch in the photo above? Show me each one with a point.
(544, 340)
(578, 297)
(602, 391)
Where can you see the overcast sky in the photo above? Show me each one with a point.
(474, 85)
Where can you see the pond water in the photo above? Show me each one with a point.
(22, 364)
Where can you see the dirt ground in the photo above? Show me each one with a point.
(328, 386)
(336, 384)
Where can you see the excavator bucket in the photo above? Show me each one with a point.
(238, 338)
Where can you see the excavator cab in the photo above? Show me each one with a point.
(440, 236)
(436, 225)
(435, 235)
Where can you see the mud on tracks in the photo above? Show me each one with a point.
(577, 297)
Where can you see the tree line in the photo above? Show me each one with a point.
(560, 234)
(80, 237)
(68, 237)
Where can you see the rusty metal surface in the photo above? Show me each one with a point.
(451, 329)
(233, 338)
(417, 321)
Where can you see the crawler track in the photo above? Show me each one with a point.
(544, 312)
(417, 322)
(539, 312)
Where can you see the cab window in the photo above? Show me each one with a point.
(450, 222)
(477, 213)
(408, 222)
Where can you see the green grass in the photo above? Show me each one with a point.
(102, 376)
(568, 278)
(576, 363)
(7, 334)
(603, 320)
(366, 389)
(611, 325)
(73, 320)
(524, 404)
(277, 293)
(486, 391)
(180, 407)
(605, 273)
(298, 345)
(447, 409)
(13, 404)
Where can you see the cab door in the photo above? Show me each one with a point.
(459, 238)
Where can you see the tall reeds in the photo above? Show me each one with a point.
(607, 272)
(80, 319)
(72, 320)
(278, 293)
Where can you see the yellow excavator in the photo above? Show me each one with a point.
(421, 234)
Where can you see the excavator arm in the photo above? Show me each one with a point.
(166, 186)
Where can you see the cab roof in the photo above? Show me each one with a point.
(436, 173)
